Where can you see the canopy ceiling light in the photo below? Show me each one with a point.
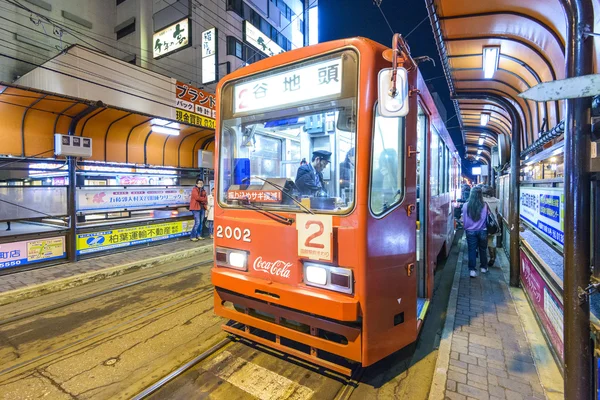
(481, 139)
(491, 55)
(485, 118)
(165, 130)
(479, 151)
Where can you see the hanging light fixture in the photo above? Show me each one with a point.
(485, 118)
(491, 54)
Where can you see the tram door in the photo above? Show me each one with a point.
(422, 203)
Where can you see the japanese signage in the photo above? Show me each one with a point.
(191, 99)
(109, 199)
(253, 36)
(548, 307)
(98, 241)
(172, 38)
(255, 196)
(544, 209)
(209, 56)
(309, 82)
(17, 254)
(315, 235)
(194, 119)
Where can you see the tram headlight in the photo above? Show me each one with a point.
(315, 274)
(328, 277)
(231, 258)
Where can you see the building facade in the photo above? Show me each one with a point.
(245, 31)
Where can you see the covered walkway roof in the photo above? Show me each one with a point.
(529, 37)
(120, 122)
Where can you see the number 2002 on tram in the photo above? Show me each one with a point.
(343, 274)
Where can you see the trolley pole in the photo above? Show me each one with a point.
(578, 351)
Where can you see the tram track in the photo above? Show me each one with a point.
(54, 307)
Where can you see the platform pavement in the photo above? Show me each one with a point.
(491, 347)
(36, 282)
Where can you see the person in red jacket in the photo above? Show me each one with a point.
(198, 203)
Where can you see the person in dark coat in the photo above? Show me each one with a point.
(347, 170)
(309, 178)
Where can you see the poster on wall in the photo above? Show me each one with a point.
(131, 198)
(543, 207)
(17, 254)
(547, 306)
(124, 237)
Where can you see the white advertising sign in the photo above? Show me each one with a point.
(315, 234)
(209, 55)
(118, 198)
(544, 209)
(172, 38)
(306, 83)
(262, 42)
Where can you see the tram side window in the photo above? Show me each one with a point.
(387, 168)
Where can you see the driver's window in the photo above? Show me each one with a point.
(387, 163)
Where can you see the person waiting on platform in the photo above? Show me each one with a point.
(474, 220)
(309, 178)
(492, 203)
(347, 170)
(198, 203)
(210, 213)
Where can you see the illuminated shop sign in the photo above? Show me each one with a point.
(27, 252)
(209, 56)
(116, 238)
(194, 100)
(253, 36)
(172, 38)
(309, 82)
(544, 208)
(130, 198)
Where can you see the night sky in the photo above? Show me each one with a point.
(340, 19)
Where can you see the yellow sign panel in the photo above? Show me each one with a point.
(98, 241)
(191, 118)
(45, 248)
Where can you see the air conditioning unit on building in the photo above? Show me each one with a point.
(76, 146)
(205, 159)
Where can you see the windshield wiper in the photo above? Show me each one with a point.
(274, 216)
(282, 189)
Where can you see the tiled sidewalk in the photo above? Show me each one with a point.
(490, 356)
(158, 253)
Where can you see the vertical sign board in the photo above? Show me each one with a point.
(547, 306)
(172, 38)
(210, 55)
(17, 254)
(543, 207)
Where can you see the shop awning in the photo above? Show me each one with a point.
(44, 102)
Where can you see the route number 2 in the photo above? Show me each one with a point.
(235, 233)
(314, 236)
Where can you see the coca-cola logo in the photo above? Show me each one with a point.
(277, 268)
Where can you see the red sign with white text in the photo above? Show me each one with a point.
(192, 99)
(255, 196)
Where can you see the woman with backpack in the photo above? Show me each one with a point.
(474, 219)
(492, 204)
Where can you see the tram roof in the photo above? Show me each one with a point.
(531, 38)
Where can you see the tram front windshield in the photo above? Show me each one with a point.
(260, 158)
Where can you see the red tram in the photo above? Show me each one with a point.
(345, 270)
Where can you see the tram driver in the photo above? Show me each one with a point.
(309, 178)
